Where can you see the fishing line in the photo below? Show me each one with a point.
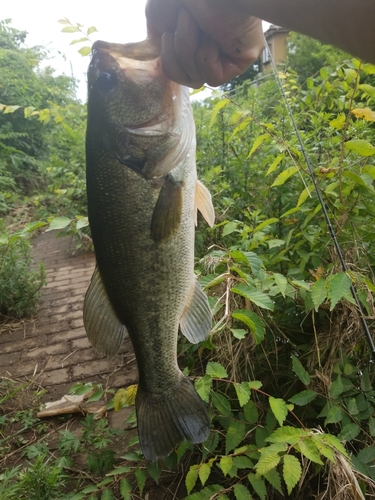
(322, 204)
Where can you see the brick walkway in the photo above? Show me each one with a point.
(53, 348)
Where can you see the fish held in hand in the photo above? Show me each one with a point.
(143, 194)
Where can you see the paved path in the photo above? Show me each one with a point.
(53, 348)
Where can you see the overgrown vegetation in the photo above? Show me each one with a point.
(287, 371)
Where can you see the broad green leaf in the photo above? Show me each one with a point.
(125, 489)
(91, 29)
(79, 40)
(339, 285)
(273, 477)
(265, 223)
(253, 321)
(28, 111)
(279, 409)
(154, 470)
(207, 493)
(191, 477)
(216, 370)
(349, 432)
(360, 146)
(284, 176)
(292, 472)
(367, 455)
(308, 448)
(59, 223)
(222, 404)
(84, 222)
(339, 122)
(366, 384)
(204, 472)
(334, 415)
(254, 295)
(352, 407)
(107, 495)
(203, 387)
(243, 462)
(234, 436)
(239, 333)
(229, 228)
(10, 109)
(281, 282)
(226, 464)
(287, 434)
(337, 388)
(85, 51)
(241, 492)
(335, 442)
(318, 293)
(303, 398)
(70, 29)
(299, 370)
(275, 163)
(367, 89)
(254, 261)
(258, 141)
(119, 471)
(255, 384)
(306, 193)
(259, 486)
(141, 479)
(267, 462)
(275, 242)
(355, 178)
(371, 426)
(243, 392)
(218, 107)
(324, 450)
(251, 412)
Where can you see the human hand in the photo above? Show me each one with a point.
(204, 41)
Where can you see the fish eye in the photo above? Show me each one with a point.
(106, 81)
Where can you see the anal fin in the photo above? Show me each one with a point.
(166, 217)
(203, 203)
(104, 330)
(196, 320)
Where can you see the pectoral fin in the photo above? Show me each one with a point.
(196, 320)
(166, 217)
(203, 203)
(104, 330)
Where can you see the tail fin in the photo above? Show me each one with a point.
(164, 421)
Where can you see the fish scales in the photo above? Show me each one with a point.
(141, 211)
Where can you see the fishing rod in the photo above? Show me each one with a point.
(322, 204)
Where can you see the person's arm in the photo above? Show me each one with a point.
(348, 24)
(212, 41)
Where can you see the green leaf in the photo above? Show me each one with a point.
(334, 415)
(226, 463)
(339, 285)
(360, 146)
(292, 472)
(85, 51)
(241, 492)
(337, 388)
(281, 282)
(255, 384)
(125, 489)
(253, 321)
(367, 455)
(191, 478)
(299, 370)
(251, 412)
(10, 109)
(309, 449)
(273, 477)
(267, 462)
(59, 223)
(371, 426)
(216, 370)
(84, 222)
(242, 462)
(203, 387)
(339, 122)
(234, 436)
(119, 470)
(154, 470)
(334, 442)
(70, 29)
(349, 432)
(303, 398)
(218, 107)
(229, 228)
(79, 40)
(91, 29)
(279, 409)
(275, 163)
(286, 434)
(259, 486)
(318, 293)
(352, 407)
(243, 392)
(222, 404)
(239, 333)
(141, 479)
(284, 176)
(204, 472)
(254, 295)
(207, 493)
(258, 141)
(107, 495)
(265, 223)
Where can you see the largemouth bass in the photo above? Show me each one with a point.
(143, 194)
